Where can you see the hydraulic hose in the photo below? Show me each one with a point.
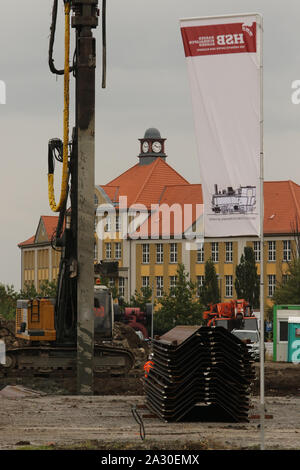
(65, 171)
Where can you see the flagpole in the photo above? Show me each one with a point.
(262, 343)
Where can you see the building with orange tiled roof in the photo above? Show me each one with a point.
(145, 261)
(39, 261)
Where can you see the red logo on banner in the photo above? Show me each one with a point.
(219, 39)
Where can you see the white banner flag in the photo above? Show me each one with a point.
(224, 57)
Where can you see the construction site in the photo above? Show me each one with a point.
(155, 342)
(41, 409)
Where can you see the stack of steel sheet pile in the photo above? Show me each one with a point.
(228, 373)
(199, 371)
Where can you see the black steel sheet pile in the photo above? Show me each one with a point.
(201, 373)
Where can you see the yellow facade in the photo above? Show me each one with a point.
(40, 262)
(225, 268)
(29, 266)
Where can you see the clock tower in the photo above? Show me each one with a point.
(152, 147)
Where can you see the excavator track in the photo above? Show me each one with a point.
(62, 361)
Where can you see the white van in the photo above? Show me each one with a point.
(251, 337)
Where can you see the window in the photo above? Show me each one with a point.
(95, 200)
(200, 282)
(118, 250)
(121, 286)
(111, 282)
(200, 254)
(286, 250)
(285, 278)
(159, 286)
(173, 253)
(228, 286)
(95, 250)
(107, 227)
(271, 284)
(159, 253)
(283, 330)
(215, 252)
(145, 281)
(173, 280)
(118, 223)
(256, 249)
(108, 250)
(228, 252)
(146, 253)
(272, 251)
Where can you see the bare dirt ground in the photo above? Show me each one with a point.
(105, 421)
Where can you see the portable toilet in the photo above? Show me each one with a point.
(294, 340)
(281, 315)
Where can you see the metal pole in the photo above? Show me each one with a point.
(220, 287)
(262, 316)
(84, 19)
(152, 308)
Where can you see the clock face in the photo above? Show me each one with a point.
(145, 147)
(156, 147)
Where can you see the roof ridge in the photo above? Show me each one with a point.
(279, 181)
(294, 196)
(161, 194)
(147, 179)
(156, 163)
(26, 241)
(187, 184)
(124, 172)
(175, 171)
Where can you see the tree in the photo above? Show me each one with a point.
(141, 298)
(47, 289)
(247, 280)
(288, 292)
(106, 281)
(210, 293)
(28, 292)
(8, 301)
(179, 306)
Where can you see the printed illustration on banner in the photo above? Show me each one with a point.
(234, 201)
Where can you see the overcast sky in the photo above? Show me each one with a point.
(147, 86)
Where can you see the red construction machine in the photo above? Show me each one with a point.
(235, 314)
(138, 320)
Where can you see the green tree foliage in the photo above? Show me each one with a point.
(47, 289)
(8, 301)
(247, 280)
(288, 292)
(141, 298)
(29, 291)
(105, 281)
(9, 297)
(210, 293)
(179, 306)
